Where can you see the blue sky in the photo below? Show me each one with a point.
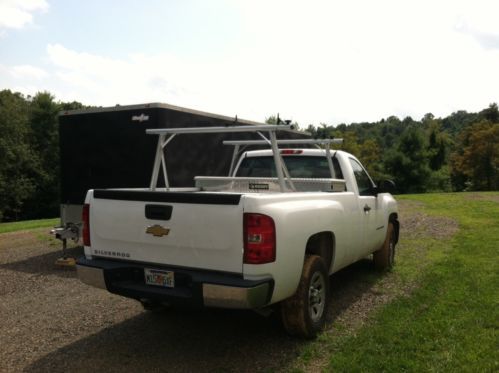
(119, 28)
(312, 61)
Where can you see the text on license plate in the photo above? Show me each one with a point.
(159, 278)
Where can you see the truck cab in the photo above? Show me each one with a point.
(313, 164)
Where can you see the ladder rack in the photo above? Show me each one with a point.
(165, 135)
(163, 140)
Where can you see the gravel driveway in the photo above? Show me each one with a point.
(49, 321)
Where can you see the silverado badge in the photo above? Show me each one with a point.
(157, 230)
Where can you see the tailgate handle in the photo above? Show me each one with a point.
(159, 212)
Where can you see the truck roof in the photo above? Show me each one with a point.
(304, 151)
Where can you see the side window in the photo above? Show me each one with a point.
(363, 181)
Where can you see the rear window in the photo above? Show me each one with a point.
(298, 166)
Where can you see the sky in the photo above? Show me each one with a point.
(310, 61)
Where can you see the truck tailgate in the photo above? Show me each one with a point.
(200, 230)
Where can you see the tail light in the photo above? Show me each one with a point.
(85, 218)
(291, 151)
(259, 239)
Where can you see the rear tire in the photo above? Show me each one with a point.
(384, 258)
(304, 314)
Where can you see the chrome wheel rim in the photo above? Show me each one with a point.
(316, 296)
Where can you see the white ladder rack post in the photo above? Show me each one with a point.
(160, 160)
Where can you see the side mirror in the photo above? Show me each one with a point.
(386, 186)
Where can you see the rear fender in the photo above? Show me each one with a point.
(296, 222)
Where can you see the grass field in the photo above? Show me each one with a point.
(449, 321)
(28, 224)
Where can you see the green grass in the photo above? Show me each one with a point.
(450, 321)
(28, 224)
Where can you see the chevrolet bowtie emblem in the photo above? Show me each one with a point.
(157, 231)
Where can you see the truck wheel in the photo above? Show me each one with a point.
(304, 314)
(384, 258)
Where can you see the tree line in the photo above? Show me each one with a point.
(29, 155)
(455, 153)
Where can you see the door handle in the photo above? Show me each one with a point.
(367, 208)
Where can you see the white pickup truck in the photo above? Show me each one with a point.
(266, 237)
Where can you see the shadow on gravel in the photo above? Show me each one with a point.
(188, 340)
(351, 283)
(44, 264)
(177, 341)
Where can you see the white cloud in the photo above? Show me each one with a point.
(102, 80)
(18, 13)
(334, 84)
(26, 79)
(28, 72)
(363, 60)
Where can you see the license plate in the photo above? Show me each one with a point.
(159, 278)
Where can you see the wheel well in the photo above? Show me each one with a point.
(322, 244)
(396, 225)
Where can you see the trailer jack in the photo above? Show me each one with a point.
(70, 231)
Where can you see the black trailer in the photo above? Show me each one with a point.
(109, 148)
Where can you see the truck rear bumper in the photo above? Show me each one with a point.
(192, 287)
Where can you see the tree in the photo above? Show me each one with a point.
(370, 155)
(44, 201)
(475, 163)
(19, 166)
(438, 145)
(350, 143)
(408, 163)
(458, 120)
(29, 155)
(491, 113)
(271, 120)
